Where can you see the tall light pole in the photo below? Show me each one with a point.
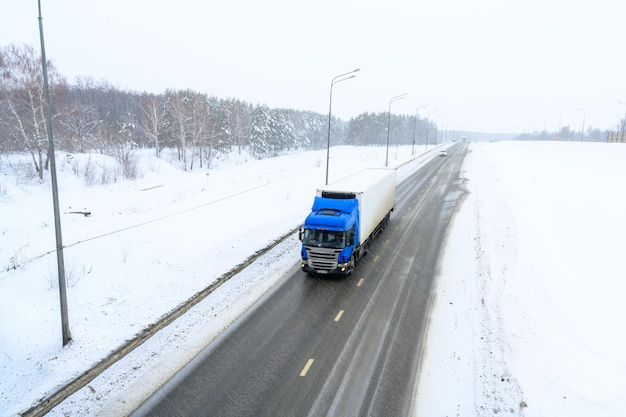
(65, 327)
(444, 122)
(415, 127)
(440, 131)
(428, 125)
(396, 98)
(558, 133)
(582, 131)
(624, 120)
(334, 81)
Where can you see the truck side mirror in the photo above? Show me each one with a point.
(300, 232)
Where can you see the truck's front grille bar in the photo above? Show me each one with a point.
(322, 258)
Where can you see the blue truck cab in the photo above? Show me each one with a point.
(329, 235)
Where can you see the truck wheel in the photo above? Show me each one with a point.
(352, 265)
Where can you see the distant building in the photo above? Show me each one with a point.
(616, 137)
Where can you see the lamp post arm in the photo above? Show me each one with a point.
(396, 98)
(335, 80)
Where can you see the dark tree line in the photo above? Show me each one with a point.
(95, 116)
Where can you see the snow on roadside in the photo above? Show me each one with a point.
(147, 247)
(128, 383)
(529, 318)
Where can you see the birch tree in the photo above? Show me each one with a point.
(22, 95)
(198, 124)
(153, 119)
(180, 116)
(240, 124)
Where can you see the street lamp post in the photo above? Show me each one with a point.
(428, 125)
(558, 133)
(396, 98)
(334, 81)
(415, 127)
(623, 127)
(440, 131)
(65, 327)
(582, 131)
(443, 129)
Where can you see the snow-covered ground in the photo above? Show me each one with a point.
(530, 315)
(527, 319)
(147, 247)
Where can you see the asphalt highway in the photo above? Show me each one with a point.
(327, 346)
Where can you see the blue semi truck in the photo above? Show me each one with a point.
(346, 216)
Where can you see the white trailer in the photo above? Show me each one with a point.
(346, 216)
(375, 190)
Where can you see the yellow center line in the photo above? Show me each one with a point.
(360, 282)
(306, 367)
(339, 315)
(376, 258)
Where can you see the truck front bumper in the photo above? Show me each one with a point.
(341, 269)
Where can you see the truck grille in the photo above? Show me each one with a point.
(322, 258)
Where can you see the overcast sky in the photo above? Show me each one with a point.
(484, 65)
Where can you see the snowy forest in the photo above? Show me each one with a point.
(92, 116)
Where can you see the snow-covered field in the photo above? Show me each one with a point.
(530, 315)
(527, 319)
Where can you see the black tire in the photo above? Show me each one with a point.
(352, 265)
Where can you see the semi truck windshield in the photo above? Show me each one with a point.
(324, 238)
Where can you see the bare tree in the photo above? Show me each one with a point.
(198, 125)
(21, 92)
(80, 125)
(239, 122)
(153, 118)
(178, 105)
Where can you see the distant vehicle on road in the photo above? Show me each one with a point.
(443, 153)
